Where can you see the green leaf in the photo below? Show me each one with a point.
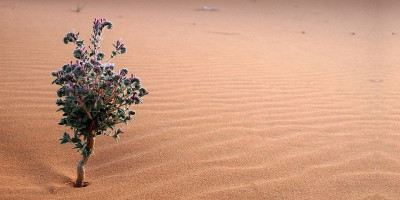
(119, 99)
(76, 109)
(116, 137)
(123, 50)
(78, 146)
(100, 56)
(65, 138)
(70, 98)
(79, 43)
(76, 132)
(76, 140)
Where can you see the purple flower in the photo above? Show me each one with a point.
(97, 69)
(135, 80)
(69, 77)
(123, 72)
(116, 77)
(79, 71)
(99, 24)
(119, 47)
(71, 37)
(127, 81)
(70, 88)
(135, 98)
(109, 67)
(84, 90)
(143, 91)
(94, 62)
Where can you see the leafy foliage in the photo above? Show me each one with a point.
(94, 98)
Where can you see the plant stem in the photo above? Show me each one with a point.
(81, 164)
(116, 108)
(108, 60)
(84, 107)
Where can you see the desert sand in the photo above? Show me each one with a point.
(255, 100)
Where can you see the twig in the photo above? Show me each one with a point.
(116, 108)
(84, 108)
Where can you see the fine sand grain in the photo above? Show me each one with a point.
(257, 99)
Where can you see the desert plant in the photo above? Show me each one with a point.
(94, 98)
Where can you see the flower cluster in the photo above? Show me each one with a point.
(119, 48)
(94, 96)
(99, 24)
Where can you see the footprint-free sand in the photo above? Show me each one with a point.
(271, 100)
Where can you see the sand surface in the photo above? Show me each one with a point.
(256, 100)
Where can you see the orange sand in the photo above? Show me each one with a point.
(258, 100)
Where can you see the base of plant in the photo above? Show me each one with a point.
(85, 184)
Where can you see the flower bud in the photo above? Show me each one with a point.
(70, 88)
(136, 99)
(83, 89)
(60, 102)
(137, 86)
(74, 66)
(68, 69)
(78, 53)
(143, 91)
(61, 92)
(78, 71)
(94, 62)
(123, 50)
(88, 65)
(63, 121)
(109, 72)
(64, 67)
(65, 40)
(127, 81)
(135, 80)
(62, 79)
(123, 72)
(116, 77)
(100, 56)
(109, 67)
(69, 77)
(108, 24)
(97, 69)
(132, 112)
(70, 37)
(79, 43)
(129, 100)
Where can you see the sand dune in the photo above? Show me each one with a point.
(256, 100)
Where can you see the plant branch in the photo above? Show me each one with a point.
(84, 108)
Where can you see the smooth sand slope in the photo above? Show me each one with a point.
(257, 100)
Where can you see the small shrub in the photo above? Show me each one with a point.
(93, 96)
